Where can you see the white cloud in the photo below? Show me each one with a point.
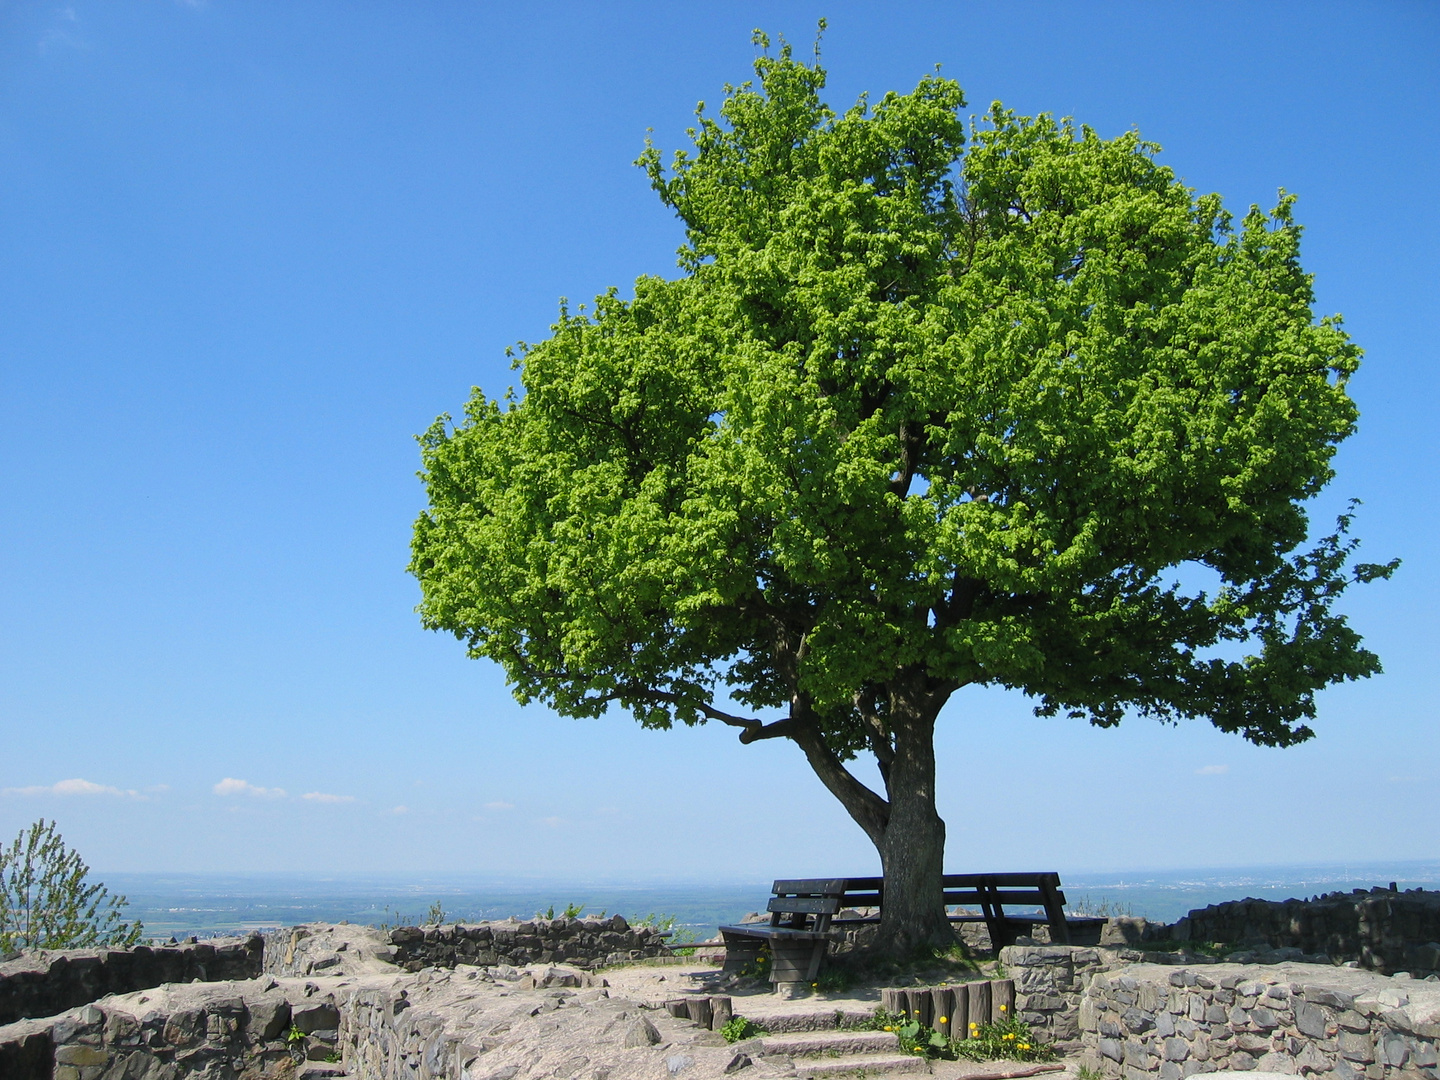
(232, 786)
(73, 787)
(1212, 770)
(320, 796)
(401, 810)
(553, 822)
(499, 806)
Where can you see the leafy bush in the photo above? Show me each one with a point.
(47, 903)
(738, 1028)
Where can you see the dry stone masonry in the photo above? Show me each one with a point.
(584, 943)
(1149, 1021)
(44, 983)
(1385, 930)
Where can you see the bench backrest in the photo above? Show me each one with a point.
(992, 893)
(807, 904)
(1029, 890)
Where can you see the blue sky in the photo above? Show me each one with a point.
(248, 250)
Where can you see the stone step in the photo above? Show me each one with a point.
(811, 1021)
(870, 1065)
(321, 1070)
(814, 1043)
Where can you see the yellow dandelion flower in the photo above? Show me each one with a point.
(1002, 1008)
(944, 1019)
(1024, 1046)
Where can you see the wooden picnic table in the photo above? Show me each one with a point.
(805, 916)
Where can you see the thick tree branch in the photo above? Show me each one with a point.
(882, 744)
(752, 729)
(909, 451)
(869, 810)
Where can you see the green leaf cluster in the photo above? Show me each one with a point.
(931, 403)
(48, 902)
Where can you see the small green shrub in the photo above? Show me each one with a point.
(572, 911)
(916, 1038)
(880, 1020)
(834, 980)
(1008, 1039)
(738, 1028)
(47, 902)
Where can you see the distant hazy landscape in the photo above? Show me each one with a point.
(210, 904)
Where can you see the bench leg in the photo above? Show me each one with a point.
(796, 961)
(740, 952)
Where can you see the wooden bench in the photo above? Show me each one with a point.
(797, 934)
(991, 893)
(803, 917)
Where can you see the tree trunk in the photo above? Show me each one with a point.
(906, 829)
(912, 848)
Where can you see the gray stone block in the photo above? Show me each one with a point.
(1137, 1022)
(1356, 1046)
(1350, 1020)
(1310, 1019)
(1276, 1063)
(1137, 1054)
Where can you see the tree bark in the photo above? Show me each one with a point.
(912, 849)
(906, 829)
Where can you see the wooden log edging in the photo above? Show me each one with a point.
(709, 1013)
(951, 1010)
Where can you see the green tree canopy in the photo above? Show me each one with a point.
(915, 416)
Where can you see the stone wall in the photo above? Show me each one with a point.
(239, 1029)
(1384, 930)
(383, 1036)
(44, 983)
(1150, 1021)
(1050, 981)
(585, 943)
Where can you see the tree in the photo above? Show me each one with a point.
(46, 901)
(915, 416)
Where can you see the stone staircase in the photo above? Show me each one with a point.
(808, 1045)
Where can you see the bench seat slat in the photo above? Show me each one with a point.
(765, 930)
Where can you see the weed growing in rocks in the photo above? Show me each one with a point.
(1009, 1039)
(739, 1028)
